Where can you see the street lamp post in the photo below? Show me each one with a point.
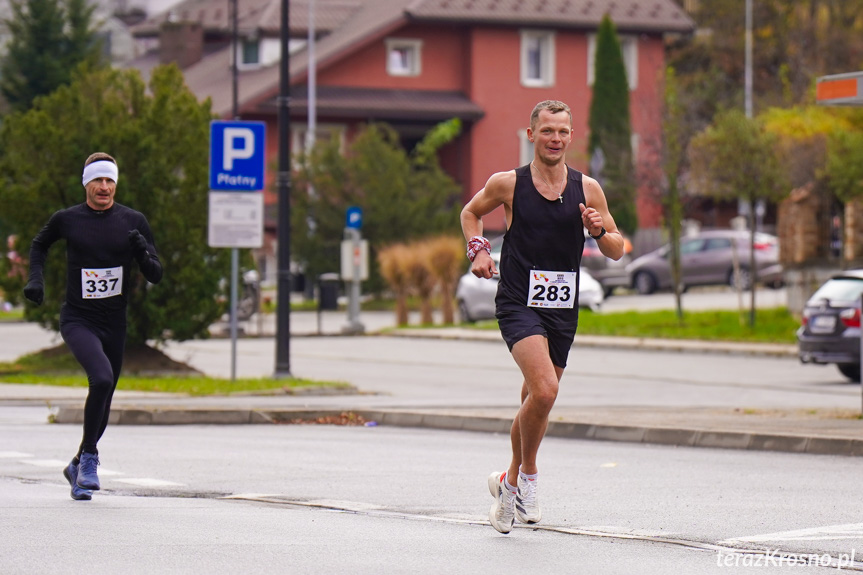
(283, 321)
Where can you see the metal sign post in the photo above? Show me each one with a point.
(236, 217)
(354, 267)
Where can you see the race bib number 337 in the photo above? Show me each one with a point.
(551, 289)
(101, 283)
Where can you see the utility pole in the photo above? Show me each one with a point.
(235, 254)
(311, 132)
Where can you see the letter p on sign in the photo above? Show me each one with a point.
(245, 151)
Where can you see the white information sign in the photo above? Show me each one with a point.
(236, 220)
(355, 255)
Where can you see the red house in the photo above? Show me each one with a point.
(414, 63)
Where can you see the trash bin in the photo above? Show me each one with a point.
(328, 291)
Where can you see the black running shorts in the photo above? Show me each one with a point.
(517, 321)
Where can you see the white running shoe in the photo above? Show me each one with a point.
(501, 515)
(526, 501)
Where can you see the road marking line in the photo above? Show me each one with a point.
(61, 464)
(147, 482)
(45, 462)
(13, 454)
(828, 533)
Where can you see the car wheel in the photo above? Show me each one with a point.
(463, 312)
(645, 283)
(745, 279)
(850, 370)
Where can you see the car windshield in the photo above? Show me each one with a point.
(839, 289)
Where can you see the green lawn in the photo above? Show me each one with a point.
(56, 366)
(771, 325)
(192, 385)
(17, 314)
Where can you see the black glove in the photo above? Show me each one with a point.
(35, 292)
(138, 244)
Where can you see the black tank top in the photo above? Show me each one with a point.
(544, 235)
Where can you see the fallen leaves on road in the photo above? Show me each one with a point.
(344, 418)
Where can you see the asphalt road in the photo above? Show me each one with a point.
(327, 499)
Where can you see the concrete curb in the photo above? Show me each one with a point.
(752, 441)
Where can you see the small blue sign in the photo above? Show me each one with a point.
(237, 151)
(354, 217)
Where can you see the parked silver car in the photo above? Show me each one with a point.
(608, 272)
(707, 258)
(475, 296)
(831, 324)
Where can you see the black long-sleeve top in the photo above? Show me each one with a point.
(97, 244)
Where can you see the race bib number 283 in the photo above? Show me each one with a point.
(101, 282)
(551, 289)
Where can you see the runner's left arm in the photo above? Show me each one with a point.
(595, 217)
(149, 262)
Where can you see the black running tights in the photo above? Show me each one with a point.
(99, 350)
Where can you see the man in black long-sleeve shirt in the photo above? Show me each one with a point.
(102, 239)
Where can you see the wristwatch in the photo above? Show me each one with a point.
(602, 233)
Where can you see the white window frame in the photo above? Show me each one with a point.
(269, 51)
(525, 148)
(629, 49)
(546, 39)
(241, 53)
(414, 51)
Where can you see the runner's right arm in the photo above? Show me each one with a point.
(497, 192)
(35, 288)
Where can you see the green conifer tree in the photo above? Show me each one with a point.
(610, 129)
(49, 40)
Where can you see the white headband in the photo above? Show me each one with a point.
(100, 169)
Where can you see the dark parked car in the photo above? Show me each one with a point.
(707, 258)
(608, 272)
(831, 324)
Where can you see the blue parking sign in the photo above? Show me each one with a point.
(237, 152)
(354, 217)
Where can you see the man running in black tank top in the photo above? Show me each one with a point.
(102, 240)
(547, 205)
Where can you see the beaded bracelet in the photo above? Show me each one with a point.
(475, 244)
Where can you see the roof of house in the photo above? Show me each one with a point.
(353, 24)
(252, 15)
(384, 104)
(628, 15)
